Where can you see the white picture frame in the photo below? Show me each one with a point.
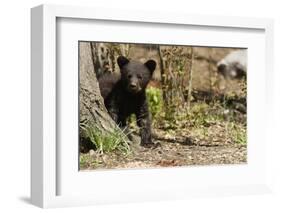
(45, 178)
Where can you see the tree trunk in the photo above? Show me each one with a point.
(174, 61)
(162, 71)
(92, 110)
(190, 78)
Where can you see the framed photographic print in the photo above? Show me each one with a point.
(129, 106)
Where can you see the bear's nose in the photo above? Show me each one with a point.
(133, 86)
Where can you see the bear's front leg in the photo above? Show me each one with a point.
(112, 108)
(144, 123)
(114, 113)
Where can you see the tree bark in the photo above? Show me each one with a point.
(92, 109)
(162, 71)
(190, 78)
(174, 61)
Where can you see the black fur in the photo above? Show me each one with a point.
(125, 94)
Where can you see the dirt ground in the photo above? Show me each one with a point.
(167, 155)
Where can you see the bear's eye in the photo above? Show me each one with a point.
(139, 77)
(129, 76)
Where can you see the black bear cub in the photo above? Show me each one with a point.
(125, 94)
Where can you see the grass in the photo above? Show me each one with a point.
(237, 133)
(201, 114)
(86, 161)
(220, 120)
(205, 122)
(108, 141)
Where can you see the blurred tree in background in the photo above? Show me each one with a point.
(176, 70)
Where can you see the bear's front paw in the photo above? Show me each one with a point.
(151, 145)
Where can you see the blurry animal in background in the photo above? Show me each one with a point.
(234, 65)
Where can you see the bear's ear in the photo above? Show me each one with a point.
(151, 65)
(121, 60)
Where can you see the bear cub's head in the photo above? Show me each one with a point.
(135, 75)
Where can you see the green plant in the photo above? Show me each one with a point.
(155, 101)
(86, 161)
(107, 141)
(83, 162)
(238, 133)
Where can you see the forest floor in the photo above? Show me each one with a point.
(204, 139)
(167, 155)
